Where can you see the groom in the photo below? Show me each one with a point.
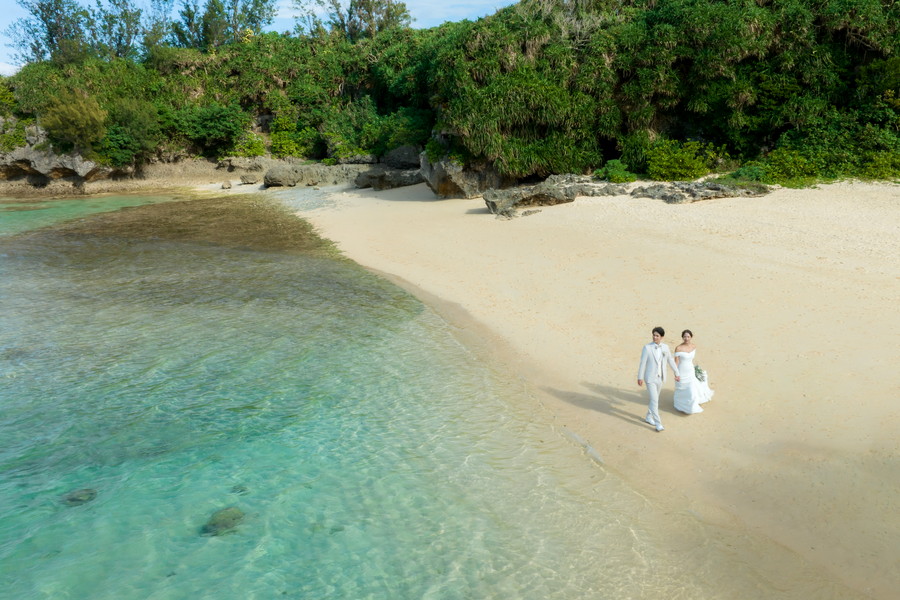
(653, 372)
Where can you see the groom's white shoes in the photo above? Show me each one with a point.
(649, 419)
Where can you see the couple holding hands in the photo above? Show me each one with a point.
(691, 384)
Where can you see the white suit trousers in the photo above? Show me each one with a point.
(653, 407)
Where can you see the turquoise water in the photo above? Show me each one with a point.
(371, 455)
(17, 215)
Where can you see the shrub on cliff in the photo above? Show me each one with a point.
(133, 132)
(12, 133)
(213, 128)
(250, 144)
(358, 128)
(7, 99)
(74, 121)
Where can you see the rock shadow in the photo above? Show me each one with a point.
(478, 211)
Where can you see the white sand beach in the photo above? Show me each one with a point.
(793, 300)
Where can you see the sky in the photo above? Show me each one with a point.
(425, 13)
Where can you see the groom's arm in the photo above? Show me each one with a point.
(672, 364)
(645, 355)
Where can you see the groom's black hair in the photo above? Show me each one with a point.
(660, 331)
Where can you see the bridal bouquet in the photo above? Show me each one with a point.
(699, 373)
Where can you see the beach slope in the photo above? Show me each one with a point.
(793, 301)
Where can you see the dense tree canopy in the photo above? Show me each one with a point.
(786, 89)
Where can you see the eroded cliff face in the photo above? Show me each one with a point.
(35, 169)
(38, 165)
(41, 167)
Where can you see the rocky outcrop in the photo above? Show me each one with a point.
(252, 164)
(35, 168)
(358, 159)
(40, 167)
(404, 157)
(222, 521)
(556, 189)
(383, 177)
(312, 174)
(448, 179)
(682, 192)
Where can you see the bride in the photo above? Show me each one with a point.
(690, 392)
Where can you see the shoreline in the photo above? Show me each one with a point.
(792, 299)
(542, 298)
(185, 176)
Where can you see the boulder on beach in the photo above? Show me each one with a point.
(449, 179)
(556, 189)
(386, 178)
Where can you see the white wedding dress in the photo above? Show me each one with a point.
(690, 392)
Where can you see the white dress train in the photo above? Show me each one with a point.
(690, 392)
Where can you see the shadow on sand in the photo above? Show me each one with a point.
(629, 406)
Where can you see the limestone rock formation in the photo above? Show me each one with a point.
(41, 167)
(556, 189)
(448, 179)
(403, 157)
(682, 192)
(254, 164)
(382, 177)
(312, 174)
(358, 159)
(222, 521)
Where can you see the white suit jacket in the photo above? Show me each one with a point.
(653, 362)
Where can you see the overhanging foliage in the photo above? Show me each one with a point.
(802, 88)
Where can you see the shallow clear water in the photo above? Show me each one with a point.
(17, 215)
(371, 455)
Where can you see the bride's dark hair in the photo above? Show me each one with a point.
(687, 331)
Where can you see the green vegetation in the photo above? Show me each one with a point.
(615, 171)
(7, 99)
(12, 133)
(791, 92)
(671, 160)
(74, 121)
(132, 132)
